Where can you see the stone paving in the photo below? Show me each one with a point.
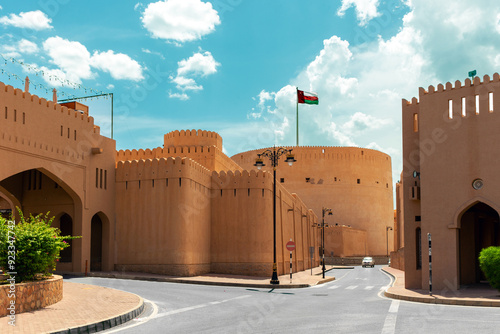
(474, 295)
(82, 305)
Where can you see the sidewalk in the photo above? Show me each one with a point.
(476, 295)
(89, 308)
(83, 309)
(301, 279)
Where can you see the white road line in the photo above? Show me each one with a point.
(334, 287)
(352, 287)
(390, 320)
(190, 308)
(369, 287)
(139, 321)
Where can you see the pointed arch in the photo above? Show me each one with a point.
(467, 205)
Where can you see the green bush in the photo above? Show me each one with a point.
(489, 261)
(31, 247)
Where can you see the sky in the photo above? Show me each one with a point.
(232, 66)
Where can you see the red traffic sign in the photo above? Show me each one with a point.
(290, 245)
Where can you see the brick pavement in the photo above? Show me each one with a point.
(82, 304)
(475, 295)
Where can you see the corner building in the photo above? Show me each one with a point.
(450, 184)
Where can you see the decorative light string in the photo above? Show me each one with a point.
(38, 72)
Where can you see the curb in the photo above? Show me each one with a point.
(199, 282)
(106, 323)
(438, 300)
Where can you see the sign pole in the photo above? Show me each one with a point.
(290, 246)
(430, 264)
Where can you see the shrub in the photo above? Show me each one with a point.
(489, 261)
(30, 247)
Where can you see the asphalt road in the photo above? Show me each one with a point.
(353, 303)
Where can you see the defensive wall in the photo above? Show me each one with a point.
(356, 183)
(205, 147)
(54, 159)
(187, 220)
(450, 186)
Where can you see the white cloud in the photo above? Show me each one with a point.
(180, 20)
(71, 57)
(365, 9)
(360, 122)
(118, 65)
(25, 46)
(36, 20)
(75, 61)
(110, 87)
(199, 65)
(180, 96)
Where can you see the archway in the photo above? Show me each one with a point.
(96, 244)
(479, 228)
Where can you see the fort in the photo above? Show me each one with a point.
(185, 208)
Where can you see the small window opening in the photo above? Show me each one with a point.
(359, 181)
(450, 109)
(418, 218)
(464, 112)
(282, 180)
(490, 101)
(308, 179)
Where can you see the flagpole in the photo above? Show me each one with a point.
(297, 96)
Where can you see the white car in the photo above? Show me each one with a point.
(368, 262)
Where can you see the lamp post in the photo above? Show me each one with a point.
(274, 155)
(322, 226)
(387, 229)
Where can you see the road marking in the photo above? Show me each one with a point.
(139, 321)
(190, 308)
(334, 287)
(352, 287)
(369, 287)
(390, 320)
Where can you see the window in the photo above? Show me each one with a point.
(464, 112)
(419, 247)
(490, 101)
(418, 218)
(308, 179)
(477, 104)
(359, 181)
(282, 180)
(450, 109)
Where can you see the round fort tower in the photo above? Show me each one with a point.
(356, 183)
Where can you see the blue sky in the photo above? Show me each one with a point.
(231, 66)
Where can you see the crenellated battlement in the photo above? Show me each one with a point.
(242, 179)
(192, 138)
(449, 87)
(15, 96)
(162, 168)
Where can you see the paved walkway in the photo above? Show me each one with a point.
(475, 295)
(88, 308)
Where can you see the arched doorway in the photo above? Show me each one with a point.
(479, 228)
(96, 244)
(66, 227)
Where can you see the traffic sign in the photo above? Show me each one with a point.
(290, 245)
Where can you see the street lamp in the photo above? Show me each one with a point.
(387, 229)
(322, 226)
(274, 155)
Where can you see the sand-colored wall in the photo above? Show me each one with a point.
(333, 174)
(189, 221)
(36, 134)
(163, 221)
(449, 152)
(345, 241)
(204, 147)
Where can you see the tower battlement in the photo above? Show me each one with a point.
(192, 138)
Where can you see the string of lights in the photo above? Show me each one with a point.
(30, 68)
